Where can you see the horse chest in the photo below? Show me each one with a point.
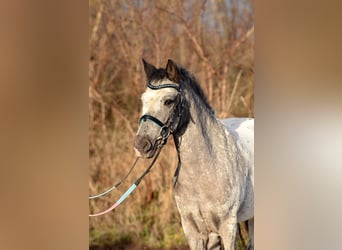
(201, 205)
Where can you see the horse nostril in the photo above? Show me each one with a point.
(142, 144)
(147, 145)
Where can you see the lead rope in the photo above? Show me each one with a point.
(133, 187)
(115, 185)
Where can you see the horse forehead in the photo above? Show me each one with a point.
(152, 96)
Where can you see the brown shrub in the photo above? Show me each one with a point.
(212, 39)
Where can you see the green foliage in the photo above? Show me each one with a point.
(108, 236)
(153, 232)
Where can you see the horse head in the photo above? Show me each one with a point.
(161, 108)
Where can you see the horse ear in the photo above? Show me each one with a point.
(149, 69)
(172, 71)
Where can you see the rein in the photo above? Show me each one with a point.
(132, 188)
(165, 132)
(117, 184)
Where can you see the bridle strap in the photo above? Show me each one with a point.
(162, 86)
(151, 118)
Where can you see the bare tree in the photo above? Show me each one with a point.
(213, 39)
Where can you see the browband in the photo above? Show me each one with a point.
(162, 86)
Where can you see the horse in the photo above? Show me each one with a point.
(214, 179)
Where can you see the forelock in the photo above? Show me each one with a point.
(158, 75)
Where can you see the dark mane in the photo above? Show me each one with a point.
(187, 82)
(188, 87)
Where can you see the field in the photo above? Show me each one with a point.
(212, 39)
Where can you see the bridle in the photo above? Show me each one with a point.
(166, 129)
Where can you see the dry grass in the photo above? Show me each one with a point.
(212, 39)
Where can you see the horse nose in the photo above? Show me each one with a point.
(143, 144)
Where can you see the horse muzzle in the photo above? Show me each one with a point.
(144, 147)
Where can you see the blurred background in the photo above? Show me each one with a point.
(212, 39)
(44, 128)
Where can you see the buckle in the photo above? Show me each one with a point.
(165, 132)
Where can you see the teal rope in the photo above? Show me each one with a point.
(125, 195)
(132, 188)
(122, 198)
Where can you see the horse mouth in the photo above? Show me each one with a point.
(148, 154)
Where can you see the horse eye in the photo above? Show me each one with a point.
(168, 102)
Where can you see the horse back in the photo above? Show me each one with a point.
(243, 131)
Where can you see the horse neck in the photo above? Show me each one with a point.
(203, 138)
